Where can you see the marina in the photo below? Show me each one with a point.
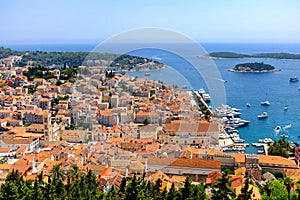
(231, 140)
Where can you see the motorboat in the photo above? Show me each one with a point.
(206, 97)
(284, 136)
(287, 126)
(264, 115)
(147, 74)
(260, 151)
(265, 103)
(286, 107)
(248, 105)
(265, 141)
(294, 79)
(277, 129)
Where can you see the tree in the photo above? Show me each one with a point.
(74, 173)
(222, 189)
(186, 190)
(267, 188)
(280, 148)
(288, 182)
(198, 192)
(172, 193)
(245, 192)
(146, 121)
(274, 190)
(156, 189)
(57, 173)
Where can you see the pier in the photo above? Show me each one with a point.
(265, 146)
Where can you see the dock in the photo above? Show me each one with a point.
(265, 146)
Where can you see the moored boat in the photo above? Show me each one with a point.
(264, 115)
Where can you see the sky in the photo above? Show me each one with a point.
(92, 21)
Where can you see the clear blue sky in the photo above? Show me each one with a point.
(60, 21)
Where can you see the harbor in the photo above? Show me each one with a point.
(230, 140)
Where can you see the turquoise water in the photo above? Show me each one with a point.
(247, 87)
(240, 87)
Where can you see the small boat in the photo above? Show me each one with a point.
(286, 107)
(147, 74)
(287, 126)
(298, 88)
(264, 115)
(294, 79)
(277, 129)
(248, 105)
(265, 103)
(260, 151)
(284, 136)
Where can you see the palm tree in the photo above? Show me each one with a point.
(267, 188)
(57, 172)
(74, 173)
(288, 182)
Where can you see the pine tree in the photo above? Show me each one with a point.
(197, 192)
(186, 190)
(222, 189)
(131, 191)
(245, 192)
(172, 193)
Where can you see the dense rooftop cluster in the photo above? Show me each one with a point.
(114, 125)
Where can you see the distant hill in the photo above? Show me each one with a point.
(253, 67)
(45, 59)
(259, 55)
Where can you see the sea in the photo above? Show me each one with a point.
(240, 88)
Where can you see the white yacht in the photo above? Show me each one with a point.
(263, 115)
(265, 103)
(206, 97)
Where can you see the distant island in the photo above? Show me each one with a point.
(254, 67)
(230, 55)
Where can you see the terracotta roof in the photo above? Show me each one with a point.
(184, 162)
(182, 126)
(5, 166)
(239, 158)
(276, 160)
(5, 150)
(159, 175)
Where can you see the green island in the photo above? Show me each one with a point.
(254, 67)
(230, 55)
(55, 59)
